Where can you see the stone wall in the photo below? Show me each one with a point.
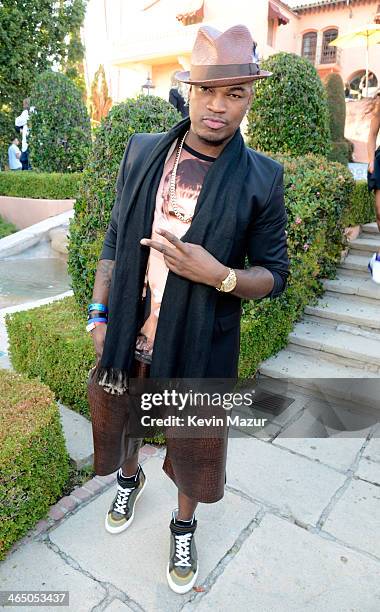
(24, 212)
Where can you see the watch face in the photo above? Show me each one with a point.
(229, 283)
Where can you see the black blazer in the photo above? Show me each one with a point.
(260, 236)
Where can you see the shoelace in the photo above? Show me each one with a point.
(122, 498)
(182, 549)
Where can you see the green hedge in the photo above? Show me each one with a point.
(34, 464)
(317, 192)
(60, 136)
(51, 341)
(289, 112)
(362, 206)
(54, 186)
(6, 228)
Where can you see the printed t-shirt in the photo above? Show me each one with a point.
(191, 171)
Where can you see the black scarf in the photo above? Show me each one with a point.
(183, 338)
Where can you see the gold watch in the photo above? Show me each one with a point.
(229, 282)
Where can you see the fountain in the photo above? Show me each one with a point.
(33, 262)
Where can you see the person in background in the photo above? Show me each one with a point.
(176, 98)
(14, 155)
(21, 123)
(373, 176)
(255, 53)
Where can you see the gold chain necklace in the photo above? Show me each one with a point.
(172, 194)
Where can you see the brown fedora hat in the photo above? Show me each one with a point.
(222, 58)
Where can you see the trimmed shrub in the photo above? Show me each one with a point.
(55, 346)
(34, 464)
(341, 147)
(317, 193)
(361, 208)
(289, 112)
(42, 185)
(97, 195)
(60, 138)
(50, 343)
(6, 228)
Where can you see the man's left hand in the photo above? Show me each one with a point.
(189, 260)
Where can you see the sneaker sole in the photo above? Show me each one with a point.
(128, 523)
(181, 590)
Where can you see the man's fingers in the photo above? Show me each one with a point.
(172, 238)
(158, 246)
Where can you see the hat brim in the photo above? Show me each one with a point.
(184, 77)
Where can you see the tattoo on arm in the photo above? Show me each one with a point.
(105, 268)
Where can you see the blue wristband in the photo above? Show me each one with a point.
(100, 307)
(101, 319)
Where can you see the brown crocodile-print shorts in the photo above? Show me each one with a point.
(196, 465)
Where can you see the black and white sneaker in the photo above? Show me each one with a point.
(182, 569)
(122, 510)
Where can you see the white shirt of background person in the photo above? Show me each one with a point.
(14, 157)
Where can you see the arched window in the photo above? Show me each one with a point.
(309, 45)
(329, 53)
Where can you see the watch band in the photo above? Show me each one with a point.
(229, 283)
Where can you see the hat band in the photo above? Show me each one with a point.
(222, 71)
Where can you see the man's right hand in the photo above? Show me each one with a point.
(371, 166)
(98, 335)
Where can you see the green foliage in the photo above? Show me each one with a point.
(50, 343)
(289, 111)
(60, 139)
(42, 185)
(337, 105)
(73, 66)
(34, 464)
(341, 151)
(316, 195)
(6, 228)
(97, 195)
(361, 208)
(341, 147)
(34, 36)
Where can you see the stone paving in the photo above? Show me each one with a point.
(297, 529)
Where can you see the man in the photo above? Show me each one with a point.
(201, 201)
(14, 155)
(176, 98)
(21, 123)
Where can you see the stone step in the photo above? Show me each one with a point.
(356, 263)
(326, 338)
(340, 377)
(353, 285)
(78, 436)
(347, 309)
(367, 244)
(369, 228)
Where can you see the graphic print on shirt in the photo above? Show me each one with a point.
(191, 173)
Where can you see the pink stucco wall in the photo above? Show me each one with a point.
(24, 212)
